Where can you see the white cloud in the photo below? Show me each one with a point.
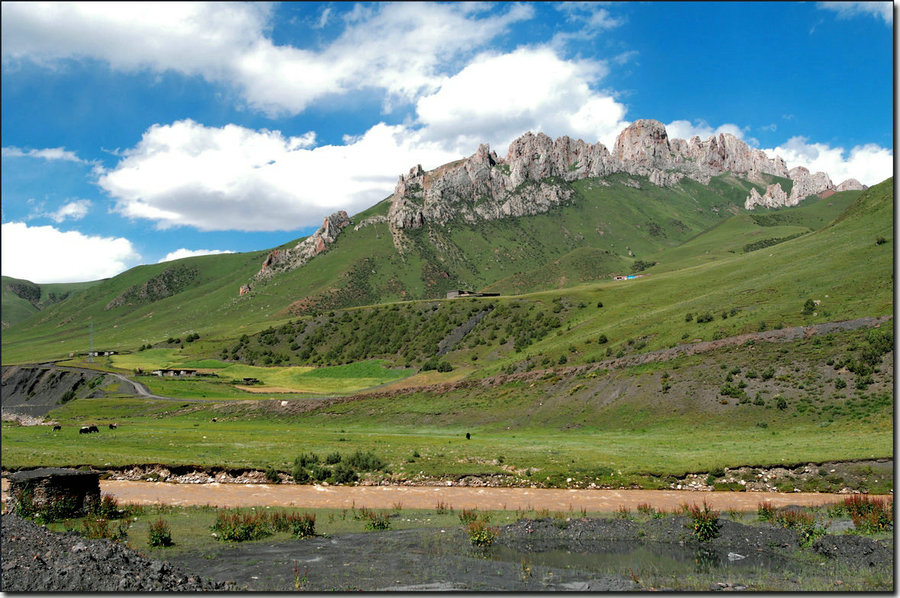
(233, 178)
(845, 10)
(52, 153)
(44, 254)
(182, 253)
(76, 210)
(399, 48)
(683, 129)
(870, 164)
(592, 18)
(496, 98)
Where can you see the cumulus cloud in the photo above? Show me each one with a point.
(182, 253)
(683, 129)
(234, 178)
(845, 10)
(52, 153)
(870, 164)
(498, 97)
(44, 254)
(76, 210)
(399, 48)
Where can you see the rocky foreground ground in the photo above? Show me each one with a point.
(582, 554)
(36, 560)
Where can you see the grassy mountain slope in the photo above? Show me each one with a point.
(841, 266)
(22, 298)
(580, 244)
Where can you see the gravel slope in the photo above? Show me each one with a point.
(36, 560)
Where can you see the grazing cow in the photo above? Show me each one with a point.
(88, 429)
(214, 420)
(468, 436)
(57, 428)
(93, 429)
(113, 426)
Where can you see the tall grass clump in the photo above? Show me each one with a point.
(240, 527)
(870, 515)
(766, 512)
(159, 535)
(481, 535)
(704, 522)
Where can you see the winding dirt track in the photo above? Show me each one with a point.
(427, 497)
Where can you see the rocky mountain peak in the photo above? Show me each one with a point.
(308, 248)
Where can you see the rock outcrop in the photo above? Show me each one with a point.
(528, 181)
(851, 185)
(280, 260)
(805, 184)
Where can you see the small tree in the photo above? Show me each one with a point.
(809, 307)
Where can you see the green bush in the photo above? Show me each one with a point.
(766, 512)
(704, 522)
(159, 535)
(378, 521)
(240, 527)
(99, 529)
(704, 317)
(333, 458)
(272, 475)
(481, 535)
(364, 461)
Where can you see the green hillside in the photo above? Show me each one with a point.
(709, 255)
(22, 298)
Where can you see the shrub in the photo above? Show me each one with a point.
(809, 307)
(839, 383)
(343, 474)
(240, 527)
(333, 458)
(108, 508)
(602, 339)
(467, 516)
(704, 522)
(272, 475)
(364, 461)
(688, 317)
(880, 240)
(780, 403)
(869, 514)
(444, 366)
(768, 373)
(803, 523)
(481, 535)
(378, 521)
(159, 535)
(766, 512)
(99, 528)
(704, 317)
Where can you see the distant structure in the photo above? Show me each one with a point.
(460, 293)
(172, 372)
(629, 276)
(101, 353)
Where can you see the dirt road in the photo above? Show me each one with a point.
(427, 497)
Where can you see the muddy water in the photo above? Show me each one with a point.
(428, 497)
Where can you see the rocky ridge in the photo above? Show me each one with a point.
(305, 250)
(805, 184)
(527, 181)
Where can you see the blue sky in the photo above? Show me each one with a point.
(135, 133)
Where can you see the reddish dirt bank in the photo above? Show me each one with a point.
(427, 497)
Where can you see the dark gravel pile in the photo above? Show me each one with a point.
(37, 560)
(862, 552)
